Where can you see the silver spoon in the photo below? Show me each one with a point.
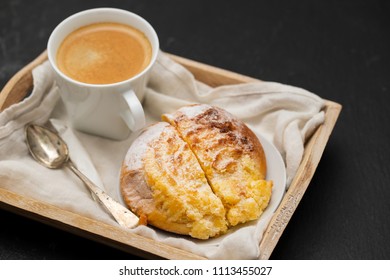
(51, 151)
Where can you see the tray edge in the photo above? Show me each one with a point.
(314, 149)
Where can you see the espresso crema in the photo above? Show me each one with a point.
(104, 53)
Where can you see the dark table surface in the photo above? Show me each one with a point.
(336, 49)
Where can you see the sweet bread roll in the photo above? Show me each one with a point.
(162, 181)
(231, 157)
(199, 173)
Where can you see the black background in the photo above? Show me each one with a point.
(336, 49)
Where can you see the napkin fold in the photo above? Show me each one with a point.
(283, 114)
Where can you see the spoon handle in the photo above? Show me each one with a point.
(122, 215)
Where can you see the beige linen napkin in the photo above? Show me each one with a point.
(285, 115)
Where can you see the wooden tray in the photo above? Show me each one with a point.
(21, 84)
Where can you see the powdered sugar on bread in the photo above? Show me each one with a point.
(139, 146)
(197, 173)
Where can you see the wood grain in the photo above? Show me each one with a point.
(312, 155)
(20, 85)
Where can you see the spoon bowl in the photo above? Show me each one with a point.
(48, 148)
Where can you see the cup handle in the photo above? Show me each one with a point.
(135, 117)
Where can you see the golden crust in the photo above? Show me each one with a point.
(231, 156)
(170, 188)
(198, 174)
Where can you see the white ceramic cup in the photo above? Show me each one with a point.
(108, 110)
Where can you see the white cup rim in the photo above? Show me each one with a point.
(52, 56)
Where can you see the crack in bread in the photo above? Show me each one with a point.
(177, 196)
(199, 173)
(231, 157)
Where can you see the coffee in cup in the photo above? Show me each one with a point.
(101, 59)
(104, 53)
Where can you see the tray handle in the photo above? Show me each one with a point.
(19, 86)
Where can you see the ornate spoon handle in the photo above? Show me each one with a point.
(122, 215)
